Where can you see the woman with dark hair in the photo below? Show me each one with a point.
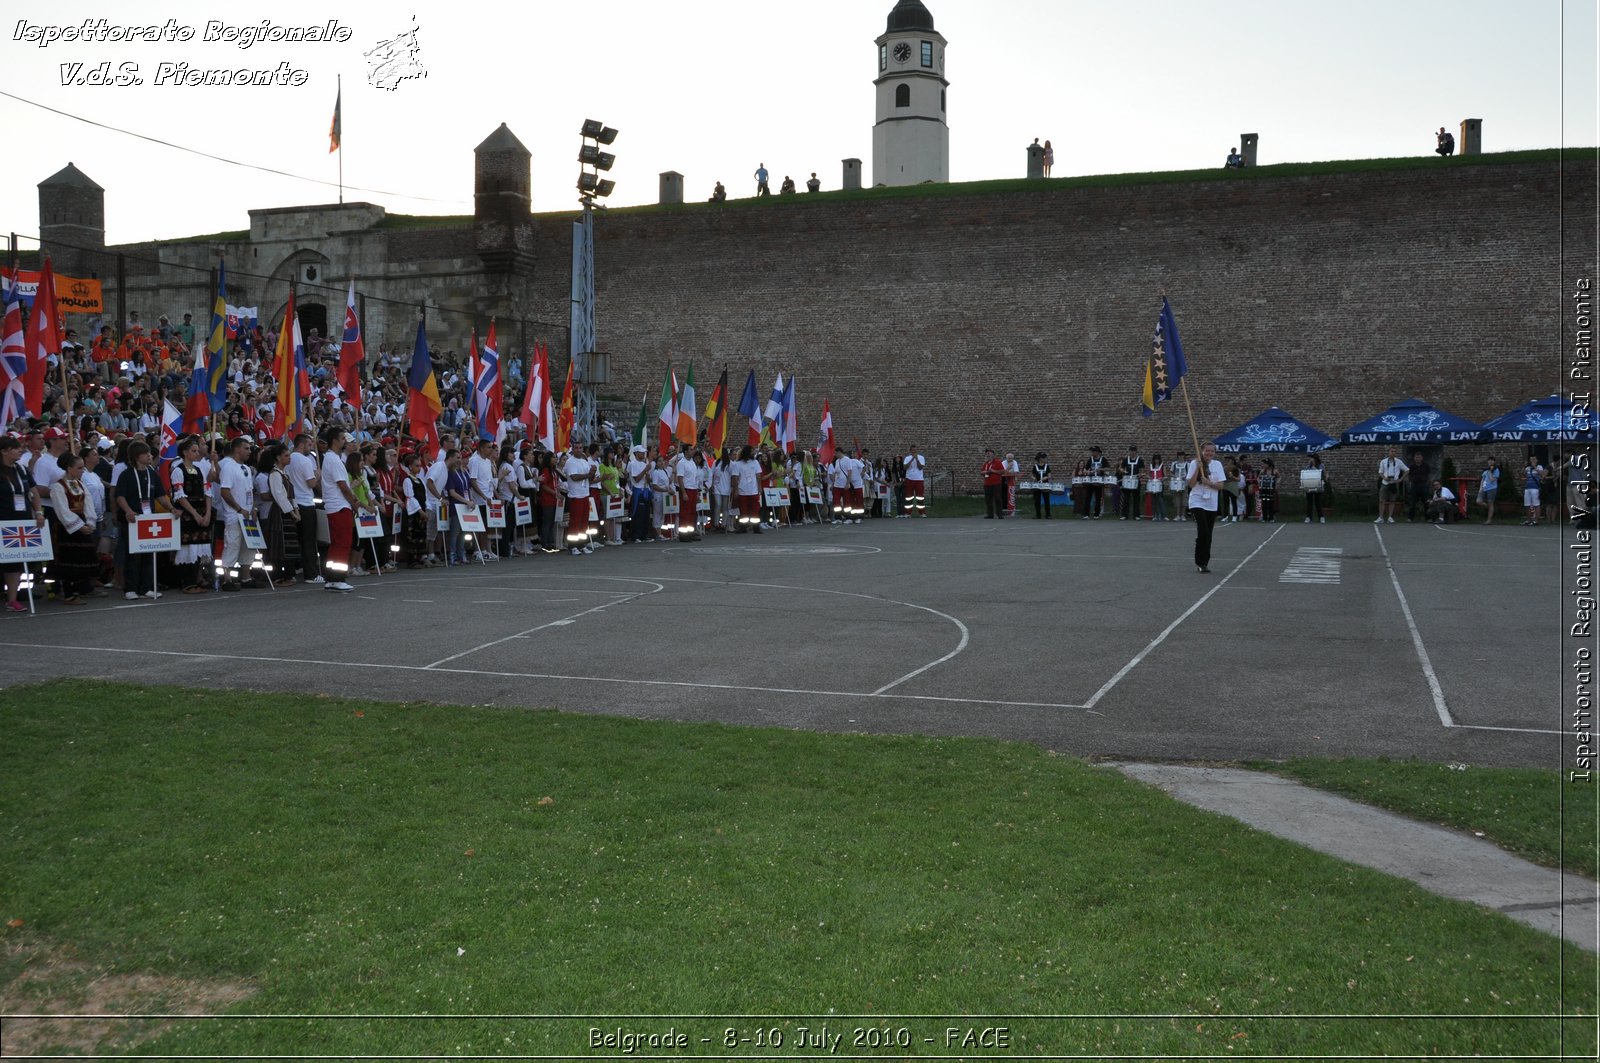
(386, 491)
(747, 490)
(549, 502)
(193, 506)
(413, 510)
(279, 523)
(76, 560)
(17, 502)
(1267, 487)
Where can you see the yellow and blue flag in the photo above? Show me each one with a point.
(1167, 364)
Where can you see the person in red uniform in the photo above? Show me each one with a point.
(994, 502)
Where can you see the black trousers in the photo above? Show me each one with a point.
(1130, 503)
(1204, 521)
(994, 500)
(1041, 504)
(1314, 505)
(309, 547)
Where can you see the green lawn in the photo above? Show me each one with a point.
(1523, 810)
(355, 858)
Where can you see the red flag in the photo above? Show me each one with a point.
(536, 400)
(42, 340)
(826, 447)
(287, 413)
(717, 416)
(546, 409)
(352, 351)
(564, 422)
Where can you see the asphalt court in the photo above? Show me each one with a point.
(1090, 637)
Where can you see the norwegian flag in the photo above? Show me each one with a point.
(488, 394)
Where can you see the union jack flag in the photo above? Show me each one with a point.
(22, 538)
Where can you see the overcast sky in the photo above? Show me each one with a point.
(712, 87)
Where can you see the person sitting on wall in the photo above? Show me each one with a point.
(1442, 506)
(1235, 161)
(718, 194)
(1447, 143)
(813, 185)
(787, 188)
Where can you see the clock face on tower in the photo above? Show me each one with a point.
(902, 52)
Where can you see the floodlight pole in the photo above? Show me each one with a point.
(581, 331)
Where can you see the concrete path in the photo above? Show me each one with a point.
(1441, 861)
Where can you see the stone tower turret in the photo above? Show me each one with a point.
(72, 222)
(503, 203)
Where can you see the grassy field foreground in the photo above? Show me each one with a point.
(276, 856)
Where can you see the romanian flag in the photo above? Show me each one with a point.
(352, 351)
(668, 417)
(1167, 364)
(287, 365)
(422, 395)
(688, 421)
(565, 418)
(717, 416)
(335, 129)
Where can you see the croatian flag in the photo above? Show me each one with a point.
(171, 428)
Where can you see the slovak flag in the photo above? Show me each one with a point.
(352, 351)
(171, 428)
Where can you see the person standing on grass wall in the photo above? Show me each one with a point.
(1205, 479)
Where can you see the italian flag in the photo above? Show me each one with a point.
(688, 422)
(668, 422)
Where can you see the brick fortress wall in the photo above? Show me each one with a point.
(1022, 320)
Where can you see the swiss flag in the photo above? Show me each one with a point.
(154, 529)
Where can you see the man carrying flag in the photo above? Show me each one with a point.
(826, 445)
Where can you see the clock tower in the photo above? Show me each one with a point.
(911, 140)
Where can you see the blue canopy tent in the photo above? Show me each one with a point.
(1273, 432)
(1551, 419)
(1414, 422)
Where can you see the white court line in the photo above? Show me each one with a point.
(541, 675)
(549, 623)
(1170, 628)
(1416, 637)
(1520, 730)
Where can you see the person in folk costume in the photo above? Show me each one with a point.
(1129, 469)
(76, 560)
(191, 500)
(413, 510)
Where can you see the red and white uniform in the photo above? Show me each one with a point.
(577, 499)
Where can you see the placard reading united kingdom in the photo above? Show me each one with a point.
(23, 540)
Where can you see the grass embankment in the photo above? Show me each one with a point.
(1523, 810)
(351, 857)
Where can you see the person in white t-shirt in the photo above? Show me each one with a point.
(578, 472)
(858, 502)
(1205, 478)
(304, 476)
(916, 483)
(692, 475)
(660, 484)
(236, 493)
(722, 494)
(746, 475)
(1391, 481)
(338, 501)
(433, 482)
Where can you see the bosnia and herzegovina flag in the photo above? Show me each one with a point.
(422, 394)
(1166, 366)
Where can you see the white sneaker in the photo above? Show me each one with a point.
(1378, 521)
(575, 551)
(343, 586)
(131, 596)
(1307, 520)
(1391, 520)
(1320, 520)
(589, 549)
(319, 578)
(358, 572)
(152, 594)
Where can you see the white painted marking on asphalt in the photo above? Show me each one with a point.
(502, 601)
(417, 601)
(540, 627)
(1520, 730)
(1170, 628)
(966, 637)
(1313, 564)
(1416, 637)
(386, 666)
